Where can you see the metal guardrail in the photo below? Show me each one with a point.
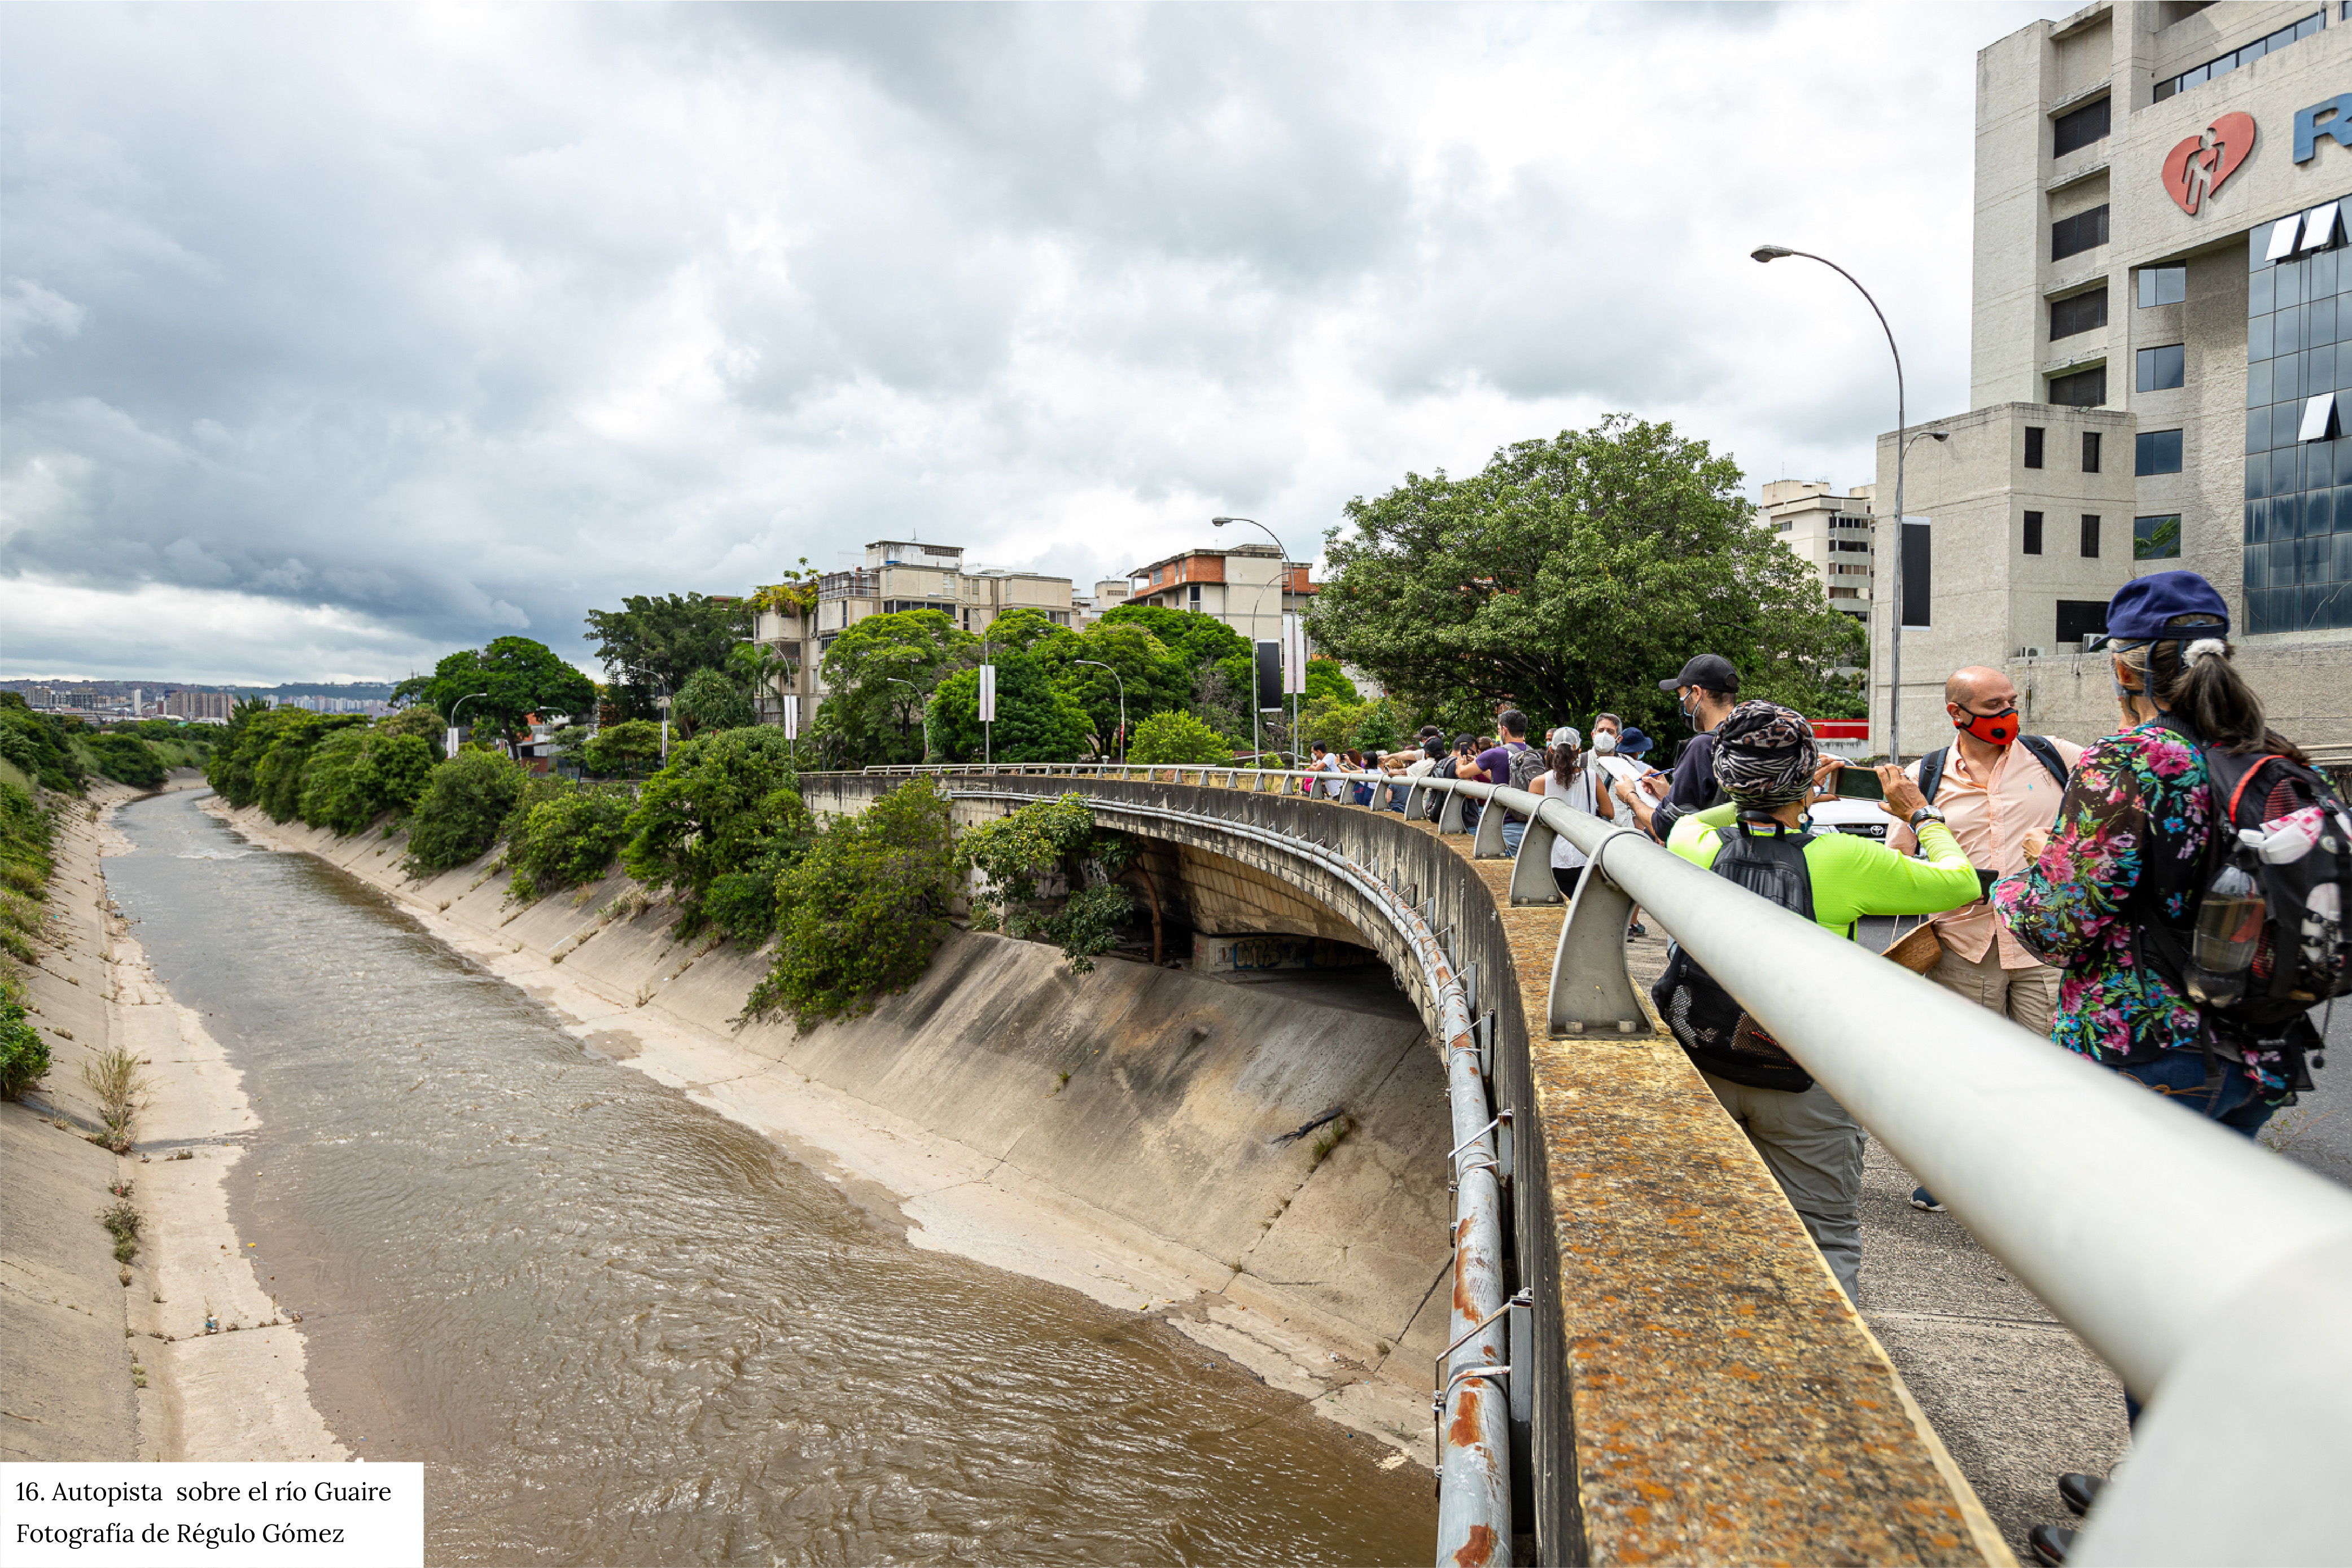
(2213, 1276)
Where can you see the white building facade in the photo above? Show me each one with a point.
(2154, 363)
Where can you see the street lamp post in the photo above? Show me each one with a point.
(453, 717)
(1282, 570)
(1895, 592)
(1122, 703)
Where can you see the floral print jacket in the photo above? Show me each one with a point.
(2128, 846)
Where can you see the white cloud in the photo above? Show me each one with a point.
(446, 322)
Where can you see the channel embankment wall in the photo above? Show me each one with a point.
(1704, 1392)
(66, 1389)
(1130, 1131)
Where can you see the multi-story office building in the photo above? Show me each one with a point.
(901, 574)
(2161, 337)
(1244, 587)
(1828, 532)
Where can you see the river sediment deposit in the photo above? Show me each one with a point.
(639, 1287)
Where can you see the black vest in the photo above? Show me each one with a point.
(1706, 1021)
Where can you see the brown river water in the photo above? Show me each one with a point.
(619, 1328)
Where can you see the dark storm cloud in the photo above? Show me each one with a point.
(409, 328)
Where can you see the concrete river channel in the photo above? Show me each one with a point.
(619, 1328)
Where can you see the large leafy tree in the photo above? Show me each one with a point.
(518, 677)
(653, 642)
(1036, 720)
(1155, 680)
(1571, 576)
(867, 717)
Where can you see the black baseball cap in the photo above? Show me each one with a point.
(1711, 671)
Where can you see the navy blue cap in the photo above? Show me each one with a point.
(1632, 743)
(2142, 608)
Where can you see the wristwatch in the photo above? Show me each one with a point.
(1924, 814)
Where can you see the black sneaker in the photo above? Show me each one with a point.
(2049, 1543)
(1921, 1198)
(1637, 929)
(2079, 1491)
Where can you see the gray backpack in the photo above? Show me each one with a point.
(1527, 763)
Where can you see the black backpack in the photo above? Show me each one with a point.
(1931, 766)
(2304, 955)
(1706, 1022)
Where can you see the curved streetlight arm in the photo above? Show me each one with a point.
(1282, 573)
(453, 717)
(1122, 703)
(1895, 576)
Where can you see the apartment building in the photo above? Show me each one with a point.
(1831, 533)
(1108, 594)
(1244, 586)
(2161, 344)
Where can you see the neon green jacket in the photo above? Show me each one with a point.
(1852, 876)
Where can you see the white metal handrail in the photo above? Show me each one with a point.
(2194, 1262)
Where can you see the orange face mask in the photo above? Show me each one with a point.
(1993, 729)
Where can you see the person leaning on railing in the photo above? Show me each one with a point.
(1765, 758)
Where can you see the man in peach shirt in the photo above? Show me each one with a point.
(1995, 787)
(1994, 791)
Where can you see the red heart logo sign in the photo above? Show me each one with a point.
(2195, 169)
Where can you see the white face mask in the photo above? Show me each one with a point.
(1604, 743)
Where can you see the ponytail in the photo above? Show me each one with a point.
(2193, 677)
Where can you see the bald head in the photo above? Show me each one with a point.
(1978, 690)
(1967, 687)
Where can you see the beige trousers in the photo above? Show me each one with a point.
(2028, 995)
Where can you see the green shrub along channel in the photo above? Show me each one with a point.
(26, 834)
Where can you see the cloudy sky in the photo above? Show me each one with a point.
(335, 338)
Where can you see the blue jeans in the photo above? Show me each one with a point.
(2179, 1076)
(1512, 833)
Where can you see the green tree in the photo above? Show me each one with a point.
(518, 678)
(37, 744)
(1572, 575)
(654, 642)
(1326, 678)
(127, 760)
(861, 913)
(458, 818)
(868, 718)
(355, 775)
(1036, 720)
(725, 806)
(358, 774)
(565, 839)
(1197, 640)
(1016, 851)
(712, 699)
(1175, 737)
(1156, 681)
(616, 747)
(421, 720)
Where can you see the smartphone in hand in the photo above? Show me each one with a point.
(1859, 784)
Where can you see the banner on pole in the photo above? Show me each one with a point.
(1293, 655)
(988, 694)
(1269, 674)
(792, 717)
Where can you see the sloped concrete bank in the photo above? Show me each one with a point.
(104, 1361)
(1133, 1134)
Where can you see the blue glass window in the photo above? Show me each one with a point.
(2156, 538)
(2159, 453)
(2165, 366)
